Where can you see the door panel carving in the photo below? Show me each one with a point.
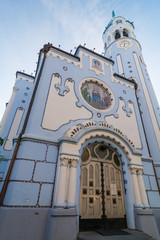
(101, 192)
(90, 191)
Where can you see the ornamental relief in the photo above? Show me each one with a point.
(74, 163)
(68, 162)
(80, 128)
(64, 162)
(137, 170)
(124, 44)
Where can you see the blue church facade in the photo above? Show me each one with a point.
(83, 143)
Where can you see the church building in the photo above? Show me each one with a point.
(82, 143)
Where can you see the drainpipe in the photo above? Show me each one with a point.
(44, 50)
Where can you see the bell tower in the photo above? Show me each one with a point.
(121, 45)
(119, 37)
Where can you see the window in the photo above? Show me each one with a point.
(90, 200)
(117, 34)
(119, 193)
(108, 193)
(125, 32)
(97, 64)
(85, 155)
(116, 160)
(91, 183)
(84, 191)
(97, 192)
(119, 21)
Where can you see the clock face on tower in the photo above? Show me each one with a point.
(124, 44)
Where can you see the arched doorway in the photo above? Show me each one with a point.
(102, 203)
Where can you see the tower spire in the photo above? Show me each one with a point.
(113, 14)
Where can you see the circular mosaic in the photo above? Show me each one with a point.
(96, 95)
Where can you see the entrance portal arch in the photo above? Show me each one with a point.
(68, 185)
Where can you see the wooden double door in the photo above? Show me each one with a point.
(101, 192)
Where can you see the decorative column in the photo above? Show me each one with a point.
(136, 191)
(142, 189)
(62, 183)
(72, 185)
(121, 32)
(113, 37)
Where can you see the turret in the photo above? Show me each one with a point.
(117, 28)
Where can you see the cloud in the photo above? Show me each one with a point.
(81, 20)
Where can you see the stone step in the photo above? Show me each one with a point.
(124, 234)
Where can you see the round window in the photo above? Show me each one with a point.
(96, 95)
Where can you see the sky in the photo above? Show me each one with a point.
(26, 25)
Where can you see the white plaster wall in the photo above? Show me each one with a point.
(7, 111)
(14, 129)
(61, 109)
(149, 104)
(128, 125)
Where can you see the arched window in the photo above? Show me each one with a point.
(117, 34)
(125, 32)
